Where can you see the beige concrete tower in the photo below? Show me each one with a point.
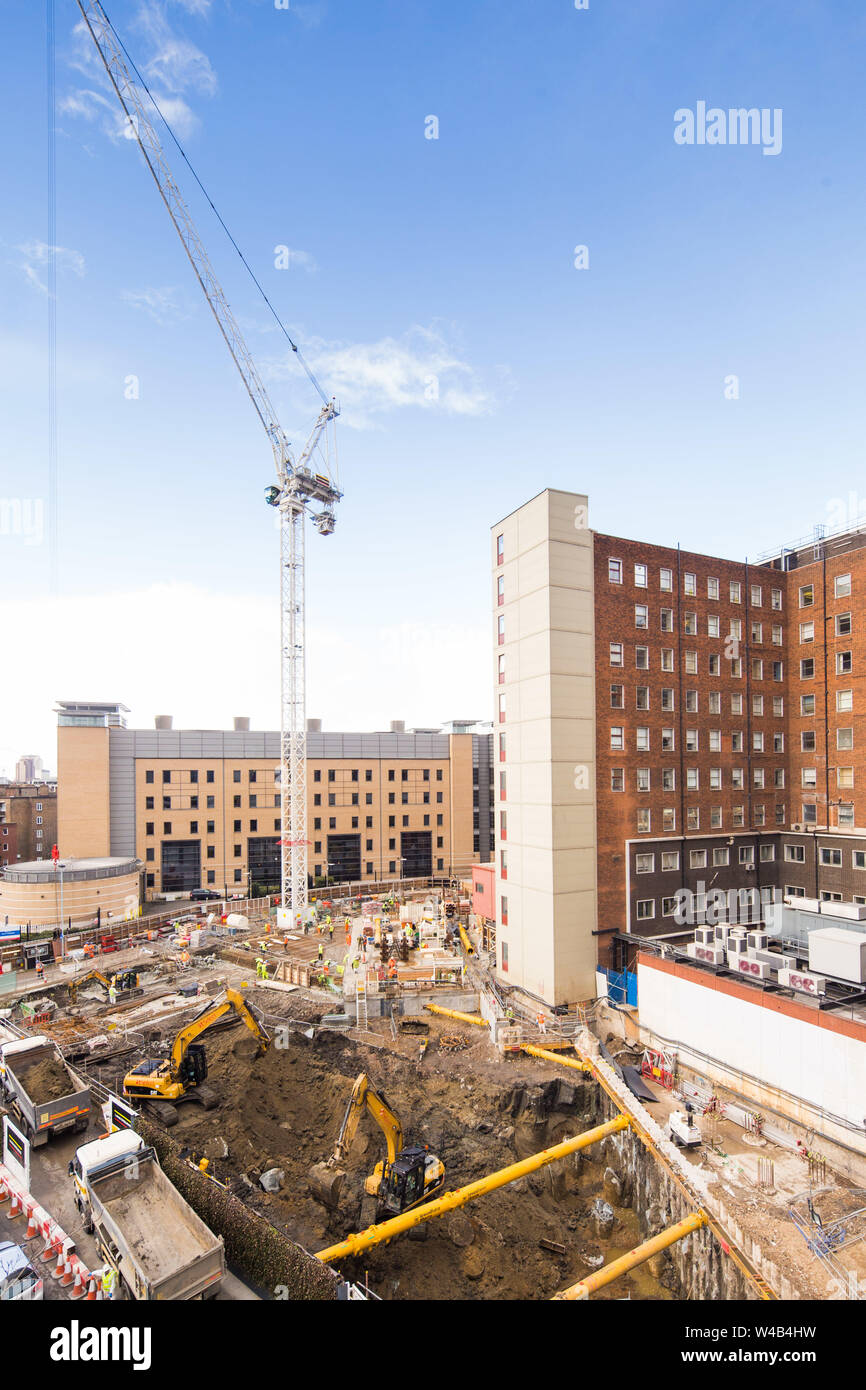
(544, 748)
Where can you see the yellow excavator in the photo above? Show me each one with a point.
(407, 1177)
(163, 1082)
(125, 982)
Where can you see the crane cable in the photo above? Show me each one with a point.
(293, 345)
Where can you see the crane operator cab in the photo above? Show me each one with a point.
(415, 1175)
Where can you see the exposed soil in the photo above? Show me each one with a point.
(284, 1111)
(44, 1080)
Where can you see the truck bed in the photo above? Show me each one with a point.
(162, 1233)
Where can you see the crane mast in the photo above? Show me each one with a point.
(299, 485)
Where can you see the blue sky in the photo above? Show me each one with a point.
(414, 258)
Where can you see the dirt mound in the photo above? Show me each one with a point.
(44, 1079)
(284, 1110)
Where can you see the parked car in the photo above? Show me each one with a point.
(18, 1278)
(203, 895)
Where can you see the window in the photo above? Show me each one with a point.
(616, 653)
(697, 858)
(736, 704)
(735, 592)
(713, 625)
(858, 858)
(500, 549)
(747, 854)
(712, 588)
(720, 858)
(736, 628)
(831, 857)
(617, 740)
(846, 813)
(738, 817)
(646, 908)
(756, 596)
(641, 658)
(777, 634)
(715, 736)
(757, 742)
(500, 590)
(715, 778)
(666, 580)
(842, 586)
(809, 778)
(807, 704)
(667, 698)
(757, 705)
(737, 781)
(641, 615)
(715, 664)
(643, 822)
(667, 740)
(757, 669)
(843, 624)
(810, 814)
(614, 571)
(737, 742)
(642, 697)
(776, 599)
(671, 859)
(844, 700)
(669, 907)
(778, 706)
(501, 667)
(640, 576)
(500, 629)
(667, 619)
(667, 658)
(807, 596)
(643, 739)
(778, 743)
(714, 702)
(617, 779)
(642, 775)
(715, 817)
(691, 701)
(807, 670)
(757, 632)
(807, 632)
(644, 863)
(779, 777)
(691, 663)
(669, 819)
(692, 779)
(692, 740)
(148, 776)
(843, 663)
(148, 803)
(758, 777)
(844, 738)
(690, 624)
(690, 583)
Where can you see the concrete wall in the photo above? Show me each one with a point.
(805, 1065)
(548, 877)
(83, 803)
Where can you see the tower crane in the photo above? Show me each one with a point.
(303, 482)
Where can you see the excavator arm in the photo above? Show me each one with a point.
(364, 1097)
(228, 1000)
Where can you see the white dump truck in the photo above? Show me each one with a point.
(44, 1094)
(145, 1230)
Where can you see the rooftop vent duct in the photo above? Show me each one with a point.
(314, 726)
(162, 721)
(242, 724)
(398, 726)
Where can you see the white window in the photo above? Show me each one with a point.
(735, 592)
(737, 778)
(690, 583)
(747, 854)
(778, 706)
(667, 620)
(646, 908)
(697, 858)
(758, 742)
(640, 576)
(692, 740)
(842, 586)
(666, 581)
(616, 653)
(809, 778)
(644, 822)
(807, 632)
(832, 857)
(845, 778)
(667, 698)
(614, 571)
(616, 737)
(757, 669)
(643, 739)
(691, 701)
(843, 624)
(667, 658)
(768, 854)
(807, 704)
(690, 624)
(669, 907)
(843, 663)
(667, 740)
(691, 663)
(844, 700)
(644, 863)
(669, 819)
(737, 741)
(714, 702)
(736, 704)
(715, 817)
(712, 588)
(692, 779)
(713, 625)
(756, 596)
(641, 615)
(38, 820)
(807, 595)
(642, 697)
(617, 779)
(777, 634)
(721, 857)
(669, 779)
(715, 779)
(844, 738)
(737, 628)
(715, 740)
(738, 817)
(776, 599)
(641, 658)
(642, 775)
(758, 776)
(671, 860)
(778, 743)
(693, 818)
(846, 813)
(715, 664)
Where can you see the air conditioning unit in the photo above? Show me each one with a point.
(804, 983)
(738, 942)
(753, 969)
(708, 955)
(758, 940)
(797, 827)
(705, 936)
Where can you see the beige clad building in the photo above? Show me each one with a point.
(201, 808)
(546, 897)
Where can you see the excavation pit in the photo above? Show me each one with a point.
(284, 1111)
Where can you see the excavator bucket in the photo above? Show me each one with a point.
(326, 1183)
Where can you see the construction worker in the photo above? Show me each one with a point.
(341, 970)
(112, 991)
(392, 969)
(263, 946)
(40, 970)
(109, 1282)
(321, 950)
(260, 968)
(541, 1021)
(509, 1014)
(330, 930)
(356, 961)
(326, 969)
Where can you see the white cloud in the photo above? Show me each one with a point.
(176, 64)
(162, 305)
(414, 665)
(38, 253)
(419, 369)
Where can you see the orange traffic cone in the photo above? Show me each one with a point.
(4, 1191)
(67, 1275)
(91, 1290)
(52, 1244)
(15, 1209)
(60, 1267)
(78, 1286)
(32, 1228)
